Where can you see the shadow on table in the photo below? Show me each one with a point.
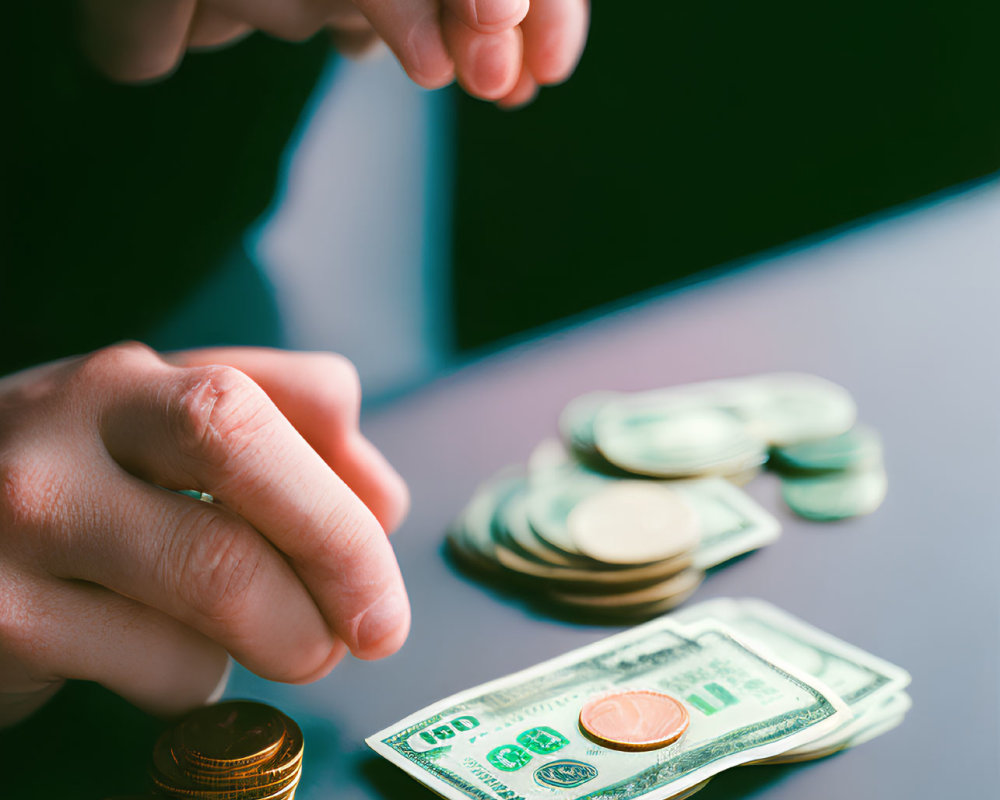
(522, 592)
(391, 782)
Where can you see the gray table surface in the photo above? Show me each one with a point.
(903, 312)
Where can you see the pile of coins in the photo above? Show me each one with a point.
(236, 750)
(801, 426)
(834, 478)
(623, 516)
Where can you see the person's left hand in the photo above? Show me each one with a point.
(500, 50)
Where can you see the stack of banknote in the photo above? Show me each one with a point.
(753, 684)
(621, 518)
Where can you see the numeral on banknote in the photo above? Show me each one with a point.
(447, 731)
(717, 691)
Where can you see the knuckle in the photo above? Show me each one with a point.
(108, 366)
(216, 571)
(30, 497)
(116, 357)
(217, 412)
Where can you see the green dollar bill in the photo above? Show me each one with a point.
(870, 685)
(518, 738)
(732, 522)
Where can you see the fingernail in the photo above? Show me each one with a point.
(384, 626)
(492, 73)
(493, 12)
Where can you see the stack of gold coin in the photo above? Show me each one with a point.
(237, 750)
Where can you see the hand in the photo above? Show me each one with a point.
(106, 575)
(499, 49)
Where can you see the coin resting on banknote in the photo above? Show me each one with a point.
(639, 719)
(654, 712)
(621, 518)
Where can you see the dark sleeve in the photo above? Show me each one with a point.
(118, 200)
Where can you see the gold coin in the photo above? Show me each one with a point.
(665, 594)
(286, 759)
(634, 720)
(234, 751)
(632, 522)
(233, 734)
(267, 773)
(606, 576)
(276, 792)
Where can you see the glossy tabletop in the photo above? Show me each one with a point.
(902, 312)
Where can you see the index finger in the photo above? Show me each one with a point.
(212, 428)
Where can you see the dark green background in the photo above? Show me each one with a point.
(691, 135)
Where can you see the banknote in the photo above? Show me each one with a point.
(871, 686)
(732, 522)
(519, 737)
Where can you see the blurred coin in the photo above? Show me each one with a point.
(836, 495)
(631, 522)
(548, 507)
(514, 518)
(744, 476)
(472, 535)
(634, 720)
(798, 407)
(859, 447)
(675, 441)
(547, 460)
(591, 579)
(576, 423)
(645, 601)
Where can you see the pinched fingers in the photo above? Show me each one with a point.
(524, 91)
(320, 394)
(214, 429)
(488, 16)
(555, 32)
(412, 29)
(135, 40)
(212, 28)
(82, 631)
(195, 561)
(487, 64)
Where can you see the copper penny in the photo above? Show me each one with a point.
(634, 720)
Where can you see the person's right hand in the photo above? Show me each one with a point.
(499, 50)
(107, 575)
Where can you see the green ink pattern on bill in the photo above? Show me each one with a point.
(760, 708)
